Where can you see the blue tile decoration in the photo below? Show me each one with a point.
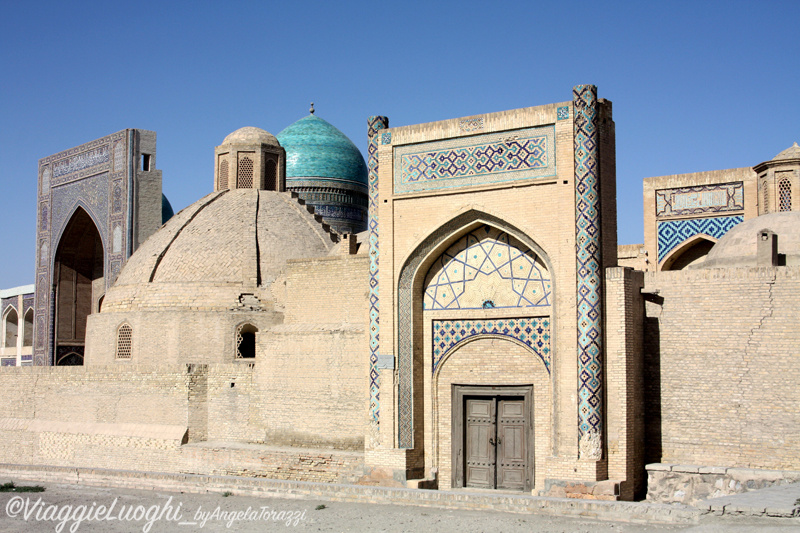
(532, 332)
(386, 137)
(673, 232)
(26, 358)
(487, 257)
(6, 303)
(8, 361)
(589, 297)
(406, 313)
(562, 113)
(338, 212)
(27, 303)
(469, 125)
(477, 160)
(375, 124)
(79, 177)
(715, 198)
(321, 159)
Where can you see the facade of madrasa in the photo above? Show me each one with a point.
(454, 312)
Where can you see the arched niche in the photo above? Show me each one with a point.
(78, 269)
(692, 251)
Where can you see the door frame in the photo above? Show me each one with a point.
(458, 427)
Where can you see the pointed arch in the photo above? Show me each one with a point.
(10, 327)
(409, 309)
(78, 273)
(692, 250)
(27, 328)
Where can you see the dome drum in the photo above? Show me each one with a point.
(250, 158)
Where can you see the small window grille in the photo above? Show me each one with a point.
(246, 341)
(245, 177)
(124, 341)
(765, 191)
(785, 194)
(272, 176)
(223, 175)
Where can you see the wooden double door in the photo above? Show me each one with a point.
(495, 452)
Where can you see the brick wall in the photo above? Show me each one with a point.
(720, 357)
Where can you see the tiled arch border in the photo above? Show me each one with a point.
(411, 276)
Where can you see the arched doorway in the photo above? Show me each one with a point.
(78, 273)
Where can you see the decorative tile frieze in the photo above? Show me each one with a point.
(673, 232)
(478, 160)
(532, 332)
(701, 199)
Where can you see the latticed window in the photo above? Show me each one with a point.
(785, 194)
(272, 176)
(246, 341)
(223, 174)
(124, 341)
(765, 192)
(245, 177)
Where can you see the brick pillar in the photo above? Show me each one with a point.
(376, 123)
(588, 251)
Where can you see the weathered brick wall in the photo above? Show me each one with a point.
(624, 372)
(720, 360)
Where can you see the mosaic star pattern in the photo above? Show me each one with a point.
(587, 236)
(673, 232)
(487, 268)
(533, 332)
(376, 123)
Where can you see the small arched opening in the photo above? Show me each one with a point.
(124, 341)
(246, 341)
(27, 329)
(11, 328)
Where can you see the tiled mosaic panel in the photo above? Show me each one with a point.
(702, 199)
(5, 303)
(487, 268)
(587, 235)
(8, 361)
(405, 311)
(562, 113)
(375, 123)
(478, 160)
(533, 332)
(673, 232)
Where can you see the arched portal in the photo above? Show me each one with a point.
(78, 274)
(475, 272)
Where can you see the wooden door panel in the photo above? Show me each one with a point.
(480, 434)
(511, 445)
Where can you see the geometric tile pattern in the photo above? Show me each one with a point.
(587, 236)
(467, 161)
(386, 137)
(701, 199)
(562, 113)
(376, 123)
(533, 332)
(487, 268)
(673, 232)
(406, 314)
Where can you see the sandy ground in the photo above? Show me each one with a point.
(157, 512)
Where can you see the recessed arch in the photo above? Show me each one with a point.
(410, 283)
(10, 327)
(692, 250)
(27, 328)
(78, 273)
(124, 348)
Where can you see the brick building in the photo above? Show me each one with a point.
(480, 333)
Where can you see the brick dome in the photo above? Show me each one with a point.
(209, 253)
(737, 248)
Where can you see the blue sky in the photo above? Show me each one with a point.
(696, 85)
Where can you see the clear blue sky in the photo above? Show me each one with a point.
(696, 85)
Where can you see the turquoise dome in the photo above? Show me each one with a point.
(166, 210)
(316, 149)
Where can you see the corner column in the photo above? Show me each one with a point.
(589, 284)
(375, 123)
